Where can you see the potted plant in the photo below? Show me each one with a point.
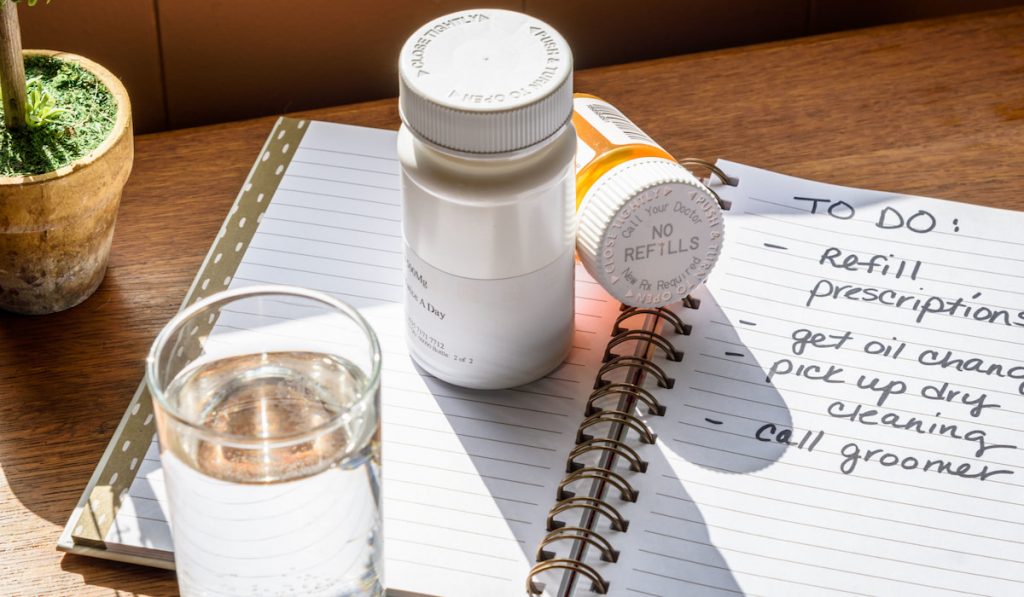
(66, 151)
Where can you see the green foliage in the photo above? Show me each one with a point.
(41, 108)
(29, 2)
(70, 112)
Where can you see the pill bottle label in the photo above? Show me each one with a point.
(610, 123)
(457, 327)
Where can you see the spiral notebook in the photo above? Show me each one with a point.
(836, 413)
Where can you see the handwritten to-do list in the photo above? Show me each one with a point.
(848, 417)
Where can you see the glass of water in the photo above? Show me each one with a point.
(267, 403)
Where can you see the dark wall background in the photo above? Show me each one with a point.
(191, 62)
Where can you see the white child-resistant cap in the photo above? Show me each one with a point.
(649, 232)
(485, 81)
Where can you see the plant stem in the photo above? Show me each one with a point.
(12, 67)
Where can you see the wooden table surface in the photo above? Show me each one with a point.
(932, 108)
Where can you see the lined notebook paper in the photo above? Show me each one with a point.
(846, 419)
(821, 438)
(468, 476)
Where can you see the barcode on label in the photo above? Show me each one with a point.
(617, 119)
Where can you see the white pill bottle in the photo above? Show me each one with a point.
(487, 150)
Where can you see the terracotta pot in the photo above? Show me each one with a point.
(56, 228)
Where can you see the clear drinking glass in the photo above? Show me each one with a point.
(267, 402)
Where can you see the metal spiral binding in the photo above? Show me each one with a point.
(620, 362)
(615, 416)
(632, 401)
(643, 395)
(722, 176)
(598, 584)
(652, 337)
(689, 301)
(608, 553)
(671, 317)
(615, 519)
(607, 444)
(627, 491)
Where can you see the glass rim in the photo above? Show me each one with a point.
(178, 322)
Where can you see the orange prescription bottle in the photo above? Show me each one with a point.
(647, 229)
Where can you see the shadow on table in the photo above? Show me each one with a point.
(122, 579)
(66, 379)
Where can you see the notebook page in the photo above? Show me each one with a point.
(869, 464)
(468, 476)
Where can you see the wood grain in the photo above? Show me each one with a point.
(838, 15)
(933, 108)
